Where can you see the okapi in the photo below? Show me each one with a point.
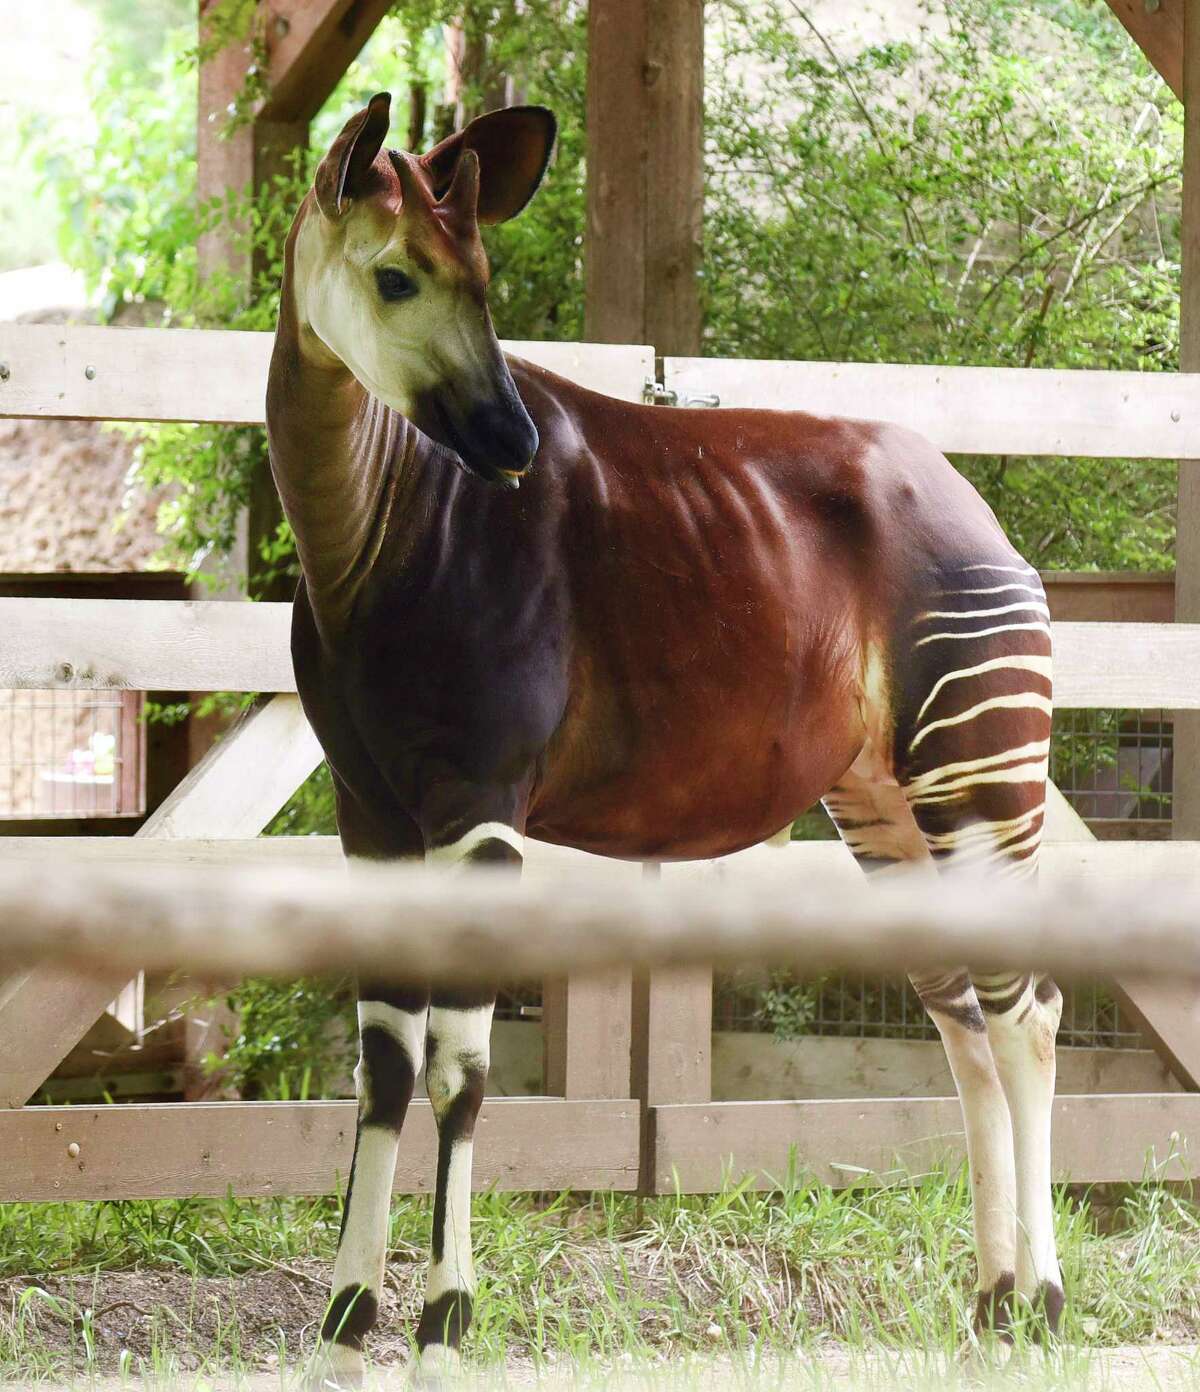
(529, 609)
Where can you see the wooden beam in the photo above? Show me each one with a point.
(1097, 1140)
(1110, 596)
(971, 410)
(215, 375)
(181, 1150)
(674, 80)
(145, 645)
(586, 1027)
(758, 1067)
(1185, 801)
(89, 373)
(245, 779)
(1134, 666)
(234, 791)
(81, 644)
(645, 172)
(310, 44)
(1157, 29)
(485, 926)
(1168, 1013)
(234, 162)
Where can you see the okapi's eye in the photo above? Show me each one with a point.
(395, 285)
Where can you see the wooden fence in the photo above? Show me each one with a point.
(628, 1052)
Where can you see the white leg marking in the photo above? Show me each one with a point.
(461, 1045)
(989, 1148)
(485, 831)
(363, 1246)
(1024, 1053)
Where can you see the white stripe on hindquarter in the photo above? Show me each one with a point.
(1016, 701)
(997, 589)
(924, 782)
(986, 632)
(1008, 569)
(951, 790)
(1043, 666)
(1035, 604)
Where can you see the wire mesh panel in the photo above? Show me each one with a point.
(1115, 768)
(71, 754)
(1114, 765)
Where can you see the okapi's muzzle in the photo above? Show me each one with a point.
(492, 437)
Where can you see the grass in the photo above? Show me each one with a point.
(241, 1283)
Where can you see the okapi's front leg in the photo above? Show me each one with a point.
(391, 1025)
(458, 1050)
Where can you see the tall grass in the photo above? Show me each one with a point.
(881, 1270)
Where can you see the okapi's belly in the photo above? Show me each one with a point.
(688, 779)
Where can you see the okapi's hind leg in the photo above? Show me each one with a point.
(972, 743)
(875, 821)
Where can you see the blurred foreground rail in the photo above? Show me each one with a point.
(410, 922)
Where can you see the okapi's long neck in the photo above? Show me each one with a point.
(337, 454)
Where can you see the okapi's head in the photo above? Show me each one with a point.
(390, 275)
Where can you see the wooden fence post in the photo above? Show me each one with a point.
(587, 1020)
(1186, 754)
(671, 1054)
(645, 114)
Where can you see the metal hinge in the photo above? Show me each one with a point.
(657, 394)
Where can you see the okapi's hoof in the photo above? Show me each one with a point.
(435, 1368)
(994, 1309)
(1047, 1311)
(328, 1375)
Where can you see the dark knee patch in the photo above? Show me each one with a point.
(411, 999)
(964, 1013)
(445, 1320)
(350, 1318)
(389, 1078)
(460, 998)
(493, 851)
(1002, 998)
(994, 1308)
(1046, 991)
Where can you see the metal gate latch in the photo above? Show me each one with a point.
(658, 394)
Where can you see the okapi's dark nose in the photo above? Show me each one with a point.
(505, 436)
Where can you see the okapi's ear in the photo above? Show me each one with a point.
(513, 146)
(345, 172)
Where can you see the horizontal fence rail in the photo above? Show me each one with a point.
(215, 375)
(487, 925)
(214, 645)
(971, 410)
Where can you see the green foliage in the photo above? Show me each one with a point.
(1003, 193)
(294, 1041)
(787, 1006)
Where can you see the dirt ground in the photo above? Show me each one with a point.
(254, 1330)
